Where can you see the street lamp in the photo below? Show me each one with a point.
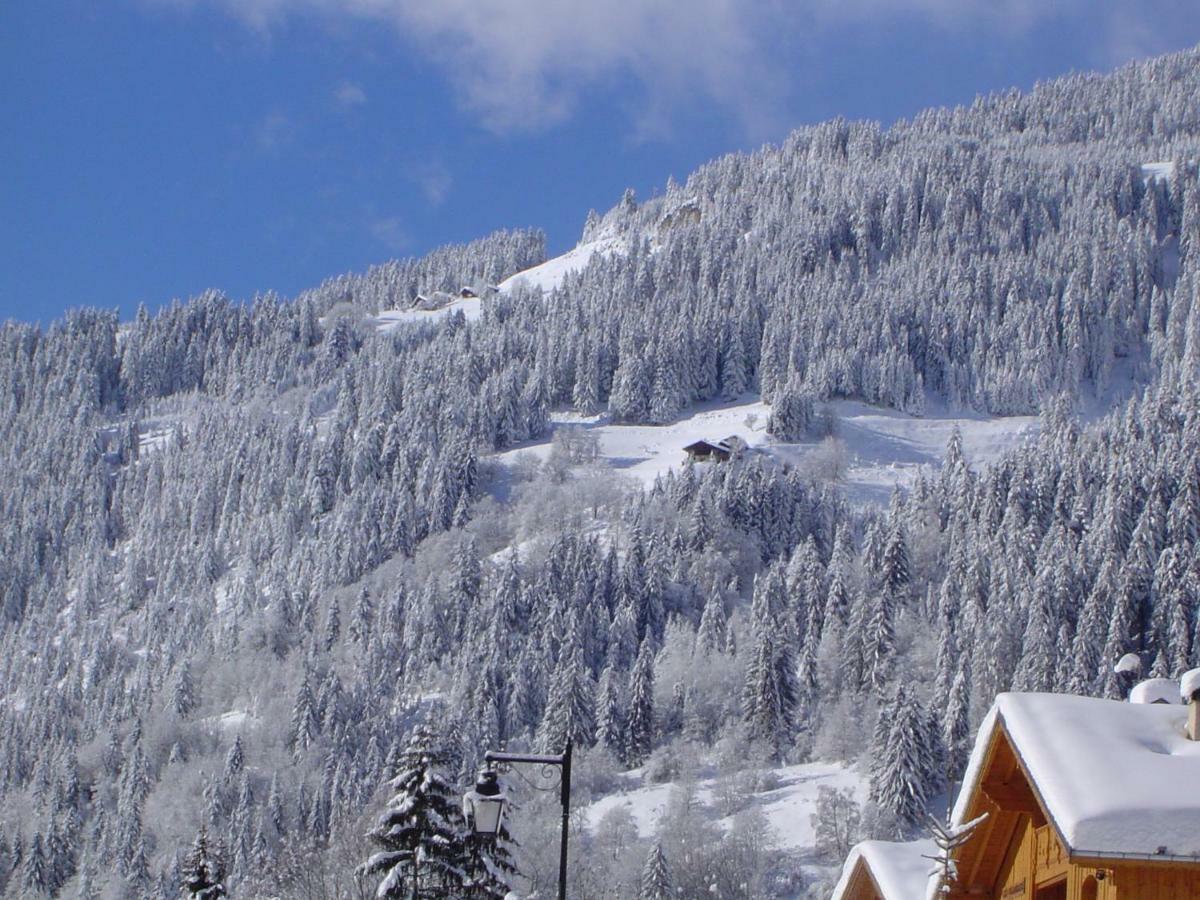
(484, 805)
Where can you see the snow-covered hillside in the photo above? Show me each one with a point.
(545, 277)
(788, 804)
(550, 274)
(873, 449)
(389, 319)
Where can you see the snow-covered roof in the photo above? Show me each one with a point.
(1156, 690)
(1116, 779)
(707, 444)
(900, 870)
(1189, 684)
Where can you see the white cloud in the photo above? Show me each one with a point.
(391, 233)
(273, 132)
(1139, 32)
(524, 64)
(434, 180)
(348, 95)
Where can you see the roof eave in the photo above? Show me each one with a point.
(1103, 858)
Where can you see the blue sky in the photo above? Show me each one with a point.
(155, 148)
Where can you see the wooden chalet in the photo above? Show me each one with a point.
(1081, 799)
(705, 450)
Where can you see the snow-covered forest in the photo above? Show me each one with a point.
(260, 562)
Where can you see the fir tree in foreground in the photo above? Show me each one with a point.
(488, 866)
(421, 832)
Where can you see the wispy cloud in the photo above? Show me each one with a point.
(1135, 32)
(274, 132)
(349, 95)
(525, 65)
(391, 233)
(434, 180)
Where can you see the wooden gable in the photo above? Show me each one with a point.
(1018, 853)
(862, 885)
(999, 861)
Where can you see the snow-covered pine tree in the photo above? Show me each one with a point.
(956, 726)
(610, 718)
(203, 870)
(656, 877)
(570, 711)
(771, 694)
(421, 832)
(900, 767)
(639, 728)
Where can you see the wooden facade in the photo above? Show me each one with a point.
(861, 885)
(1018, 854)
(702, 451)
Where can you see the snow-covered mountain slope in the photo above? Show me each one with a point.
(545, 277)
(872, 451)
(470, 307)
(1158, 170)
(550, 274)
(788, 803)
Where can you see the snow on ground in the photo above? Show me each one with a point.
(546, 276)
(885, 447)
(882, 447)
(788, 807)
(389, 319)
(234, 720)
(1160, 171)
(551, 273)
(156, 434)
(647, 451)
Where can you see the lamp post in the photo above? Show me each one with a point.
(484, 805)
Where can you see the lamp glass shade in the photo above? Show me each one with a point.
(484, 805)
(486, 812)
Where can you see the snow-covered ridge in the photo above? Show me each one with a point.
(551, 274)
(546, 277)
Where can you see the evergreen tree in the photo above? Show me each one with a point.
(771, 694)
(203, 871)
(183, 697)
(421, 831)
(570, 711)
(879, 640)
(639, 729)
(901, 765)
(34, 877)
(956, 727)
(656, 879)
(610, 720)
